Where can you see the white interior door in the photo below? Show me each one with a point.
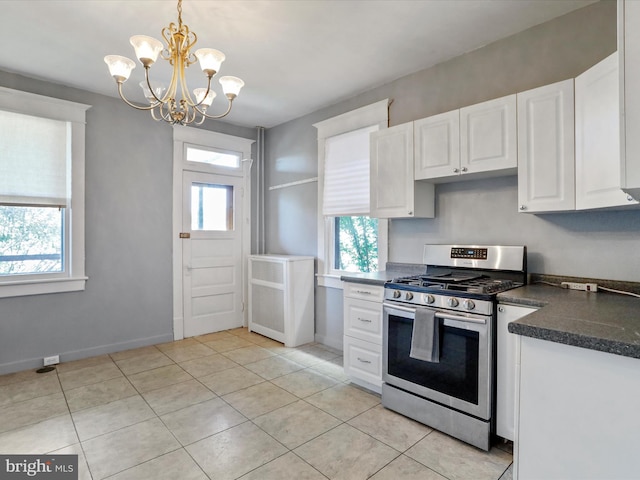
(212, 255)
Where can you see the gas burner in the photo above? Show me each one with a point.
(470, 283)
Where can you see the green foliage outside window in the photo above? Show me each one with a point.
(356, 248)
(30, 240)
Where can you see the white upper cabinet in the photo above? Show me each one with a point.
(394, 192)
(488, 136)
(546, 173)
(598, 166)
(473, 142)
(437, 146)
(629, 51)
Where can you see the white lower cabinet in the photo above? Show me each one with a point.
(506, 371)
(577, 413)
(363, 361)
(363, 334)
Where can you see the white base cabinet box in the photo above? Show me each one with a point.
(577, 413)
(281, 298)
(363, 334)
(506, 369)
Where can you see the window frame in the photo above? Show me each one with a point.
(376, 113)
(73, 277)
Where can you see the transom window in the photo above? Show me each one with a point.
(212, 156)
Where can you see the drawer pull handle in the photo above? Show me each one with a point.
(363, 361)
(363, 292)
(366, 320)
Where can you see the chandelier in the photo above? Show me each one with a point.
(164, 104)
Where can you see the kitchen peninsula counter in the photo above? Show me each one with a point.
(602, 321)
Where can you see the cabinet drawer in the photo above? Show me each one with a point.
(373, 293)
(363, 320)
(363, 360)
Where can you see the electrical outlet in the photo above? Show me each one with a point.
(53, 360)
(586, 287)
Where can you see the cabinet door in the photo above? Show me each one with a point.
(598, 137)
(546, 173)
(488, 136)
(392, 185)
(506, 374)
(629, 48)
(437, 146)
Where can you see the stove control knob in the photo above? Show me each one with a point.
(428, 298)
(396, 294)
(469, 304)
(452, 302)
(408, 296)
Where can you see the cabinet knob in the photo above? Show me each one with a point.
(523, 207)
(630, 198)
(464, 169)
(455, 170)
(501, 309)
(410, 212)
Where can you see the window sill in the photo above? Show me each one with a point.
(329, 281)
(39, 287)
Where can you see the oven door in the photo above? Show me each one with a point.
(462, 378)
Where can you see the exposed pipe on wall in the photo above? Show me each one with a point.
(260, 221)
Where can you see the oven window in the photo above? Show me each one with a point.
(457, 372)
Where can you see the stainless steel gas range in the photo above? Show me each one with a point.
(439, 338)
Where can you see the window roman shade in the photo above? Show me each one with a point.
(34, 160)
(346, 173)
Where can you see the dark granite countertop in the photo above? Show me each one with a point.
(393, 270)
(602, 321)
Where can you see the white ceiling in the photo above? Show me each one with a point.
(295, 56)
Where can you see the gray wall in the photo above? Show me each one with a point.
(589, 244)
(127, 301)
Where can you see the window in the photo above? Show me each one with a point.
(211, 207)
(216, 157)
(41, 194)
(356, 244)
(348, 239)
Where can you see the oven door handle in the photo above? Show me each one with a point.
(448, 316)
(439, 314)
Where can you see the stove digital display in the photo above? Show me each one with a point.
(472, 253)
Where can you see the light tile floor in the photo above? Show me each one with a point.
(226, 405)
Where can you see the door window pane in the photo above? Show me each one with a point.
(31, 240)
(211, 207)
(356, 244)
(220, 158)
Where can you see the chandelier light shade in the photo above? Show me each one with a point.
(175, 104)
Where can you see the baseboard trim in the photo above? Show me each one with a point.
(31, 363)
